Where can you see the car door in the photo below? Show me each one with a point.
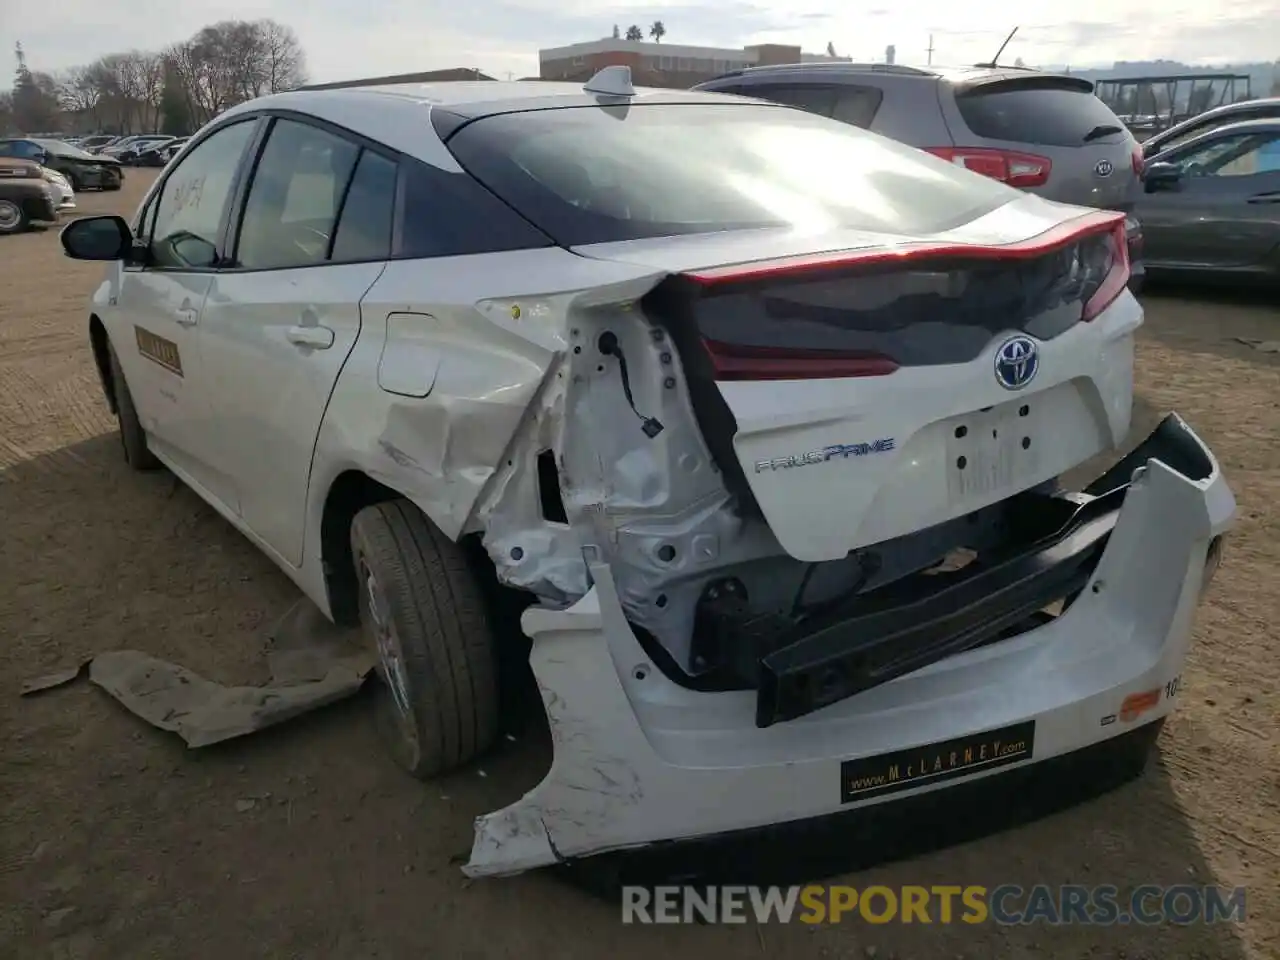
(314, 234)
(1223, 212)
(155, 324)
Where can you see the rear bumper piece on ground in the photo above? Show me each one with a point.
(640, 761)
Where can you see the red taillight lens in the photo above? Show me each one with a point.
(1139, 162)
(737, 362)
(1113, 269)
(1007, 166)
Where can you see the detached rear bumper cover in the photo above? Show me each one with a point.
(640, 760)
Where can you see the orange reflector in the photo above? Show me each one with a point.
(1136, 704)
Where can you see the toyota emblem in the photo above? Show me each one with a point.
(1017, 361)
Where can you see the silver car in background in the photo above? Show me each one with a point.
(1041, 132)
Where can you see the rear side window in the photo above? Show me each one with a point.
(819, 100)
(857, 105)
(364, 229)
(447, 214)
(1042, 115)
(846, 103)
(600, 174)
(294, 197)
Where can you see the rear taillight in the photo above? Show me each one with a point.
(1106, 262)
(1007, 166)
(737, 362)
(752, 329)
(1139, 162)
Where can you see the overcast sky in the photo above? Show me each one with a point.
(346, 39)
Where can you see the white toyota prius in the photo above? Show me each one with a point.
(761, 418)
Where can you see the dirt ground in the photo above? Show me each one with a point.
(305, 842)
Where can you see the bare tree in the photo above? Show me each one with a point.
(283, 59)
(223, 64)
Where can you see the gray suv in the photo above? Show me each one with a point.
(1042, 132)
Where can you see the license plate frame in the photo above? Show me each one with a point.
(867, 777)
(994, 450)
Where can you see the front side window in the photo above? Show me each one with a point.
(1240, 155)
(189, 207)
(294, 198)
(601, 174)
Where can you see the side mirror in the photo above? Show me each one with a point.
(1161, 176)
(97, 238)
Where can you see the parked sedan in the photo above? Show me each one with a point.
(158, 154)
(1211, 207)
(82, 170)
(25, 196)
(96, 142)
(131, 156)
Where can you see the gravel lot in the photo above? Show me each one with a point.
(116, 842)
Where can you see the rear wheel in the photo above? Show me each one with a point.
(423, 609)
(76, 183)
(132, 437)
(13, 219)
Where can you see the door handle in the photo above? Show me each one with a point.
(317, 338)
(1266, 198)
(186, 315)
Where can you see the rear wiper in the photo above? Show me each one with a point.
(1102, 130)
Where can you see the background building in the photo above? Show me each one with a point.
(664, 64)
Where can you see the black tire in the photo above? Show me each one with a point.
(13, 219)
(132, 437)
(76, 184)
(437, 704)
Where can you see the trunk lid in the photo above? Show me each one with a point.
(856, 387)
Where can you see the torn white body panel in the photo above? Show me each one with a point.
(631, 747)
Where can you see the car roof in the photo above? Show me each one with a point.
(959, 75)
(472, 98)
(400, 115)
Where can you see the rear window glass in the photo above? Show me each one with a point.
(601, 174)
(1051, 117)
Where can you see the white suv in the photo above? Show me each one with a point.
(761, 414)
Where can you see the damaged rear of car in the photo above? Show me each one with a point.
(762, 418)
(808, 550)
